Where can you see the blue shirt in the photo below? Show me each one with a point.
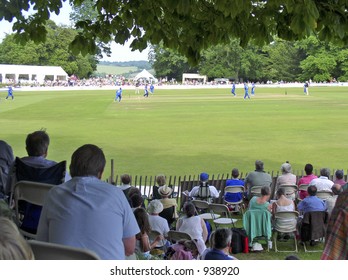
(234, 197)
(215, 254)
(311, 203)
(86, 212)
(119, 92)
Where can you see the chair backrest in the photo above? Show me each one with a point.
(174, 236)
(255, 191)
(285, 221)
(290, 190)
(313, 225)
(54, 174)
(220, 209)
(234, 189)
(257, 223)
(303, 187)
(200, 204)
(28, 200)
(323, 195)
(168, 214)
(52, 251)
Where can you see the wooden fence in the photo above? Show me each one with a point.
(180, 184)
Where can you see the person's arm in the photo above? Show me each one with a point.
(129, 245)
(178, 224)
(205, 231)
(146, 245)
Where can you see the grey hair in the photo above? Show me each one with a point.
(286, 168)
(325, 172)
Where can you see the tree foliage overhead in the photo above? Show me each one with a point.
(188, 26)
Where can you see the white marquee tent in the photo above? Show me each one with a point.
(31, 73)
(145, 75)
(192, 76)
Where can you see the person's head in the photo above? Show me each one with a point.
(155, 207)
(280, 192)
(133, 190)
(291, 258)
(325, 172)
(88, 160)
(203, 177)
(161, 180)
(136, 200)
(336, 189)
(259, 165)
(222, 238)
(286, 168)
(339, 174)
(126, 179)
(143, 220)
(312, 190)
(12, 244)
(37, 143)
(265, 191)
(165, 191)
(308, 169)
(189, 209)
(235, 173)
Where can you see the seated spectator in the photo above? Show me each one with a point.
(234, 197)
(86, 212)
(136, 200)
(336, 242)
(258, 177)
(193, 225)
(160, 181)
(6, 161)
(287, 178)
(165, 192)
(323, 183)
(204, 191)
(125, 186)
(37, 148)
(312, 202)
(157, 223)
(283, 204)
(12, 244)
(305, 180)
(339, 178)
(330, 202)
(222, 243)
(262, 202)
(182, 250)
(143, 244)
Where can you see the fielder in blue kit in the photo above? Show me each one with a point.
(233, 91)
(246, 91)
(10, 93)
(118, 95)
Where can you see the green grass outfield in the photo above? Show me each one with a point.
(178, 132)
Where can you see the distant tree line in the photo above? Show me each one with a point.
(279, 61)
(140, 64)
(53, 52)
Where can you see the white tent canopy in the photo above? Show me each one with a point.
(192, 76)
(145, 75)
(31, 73)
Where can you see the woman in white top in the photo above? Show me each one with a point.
(283, 204)
(193, 225)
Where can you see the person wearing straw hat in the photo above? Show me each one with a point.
(157, 223)
(165, 192)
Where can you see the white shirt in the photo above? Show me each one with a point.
(322, 183)
(213, 191)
